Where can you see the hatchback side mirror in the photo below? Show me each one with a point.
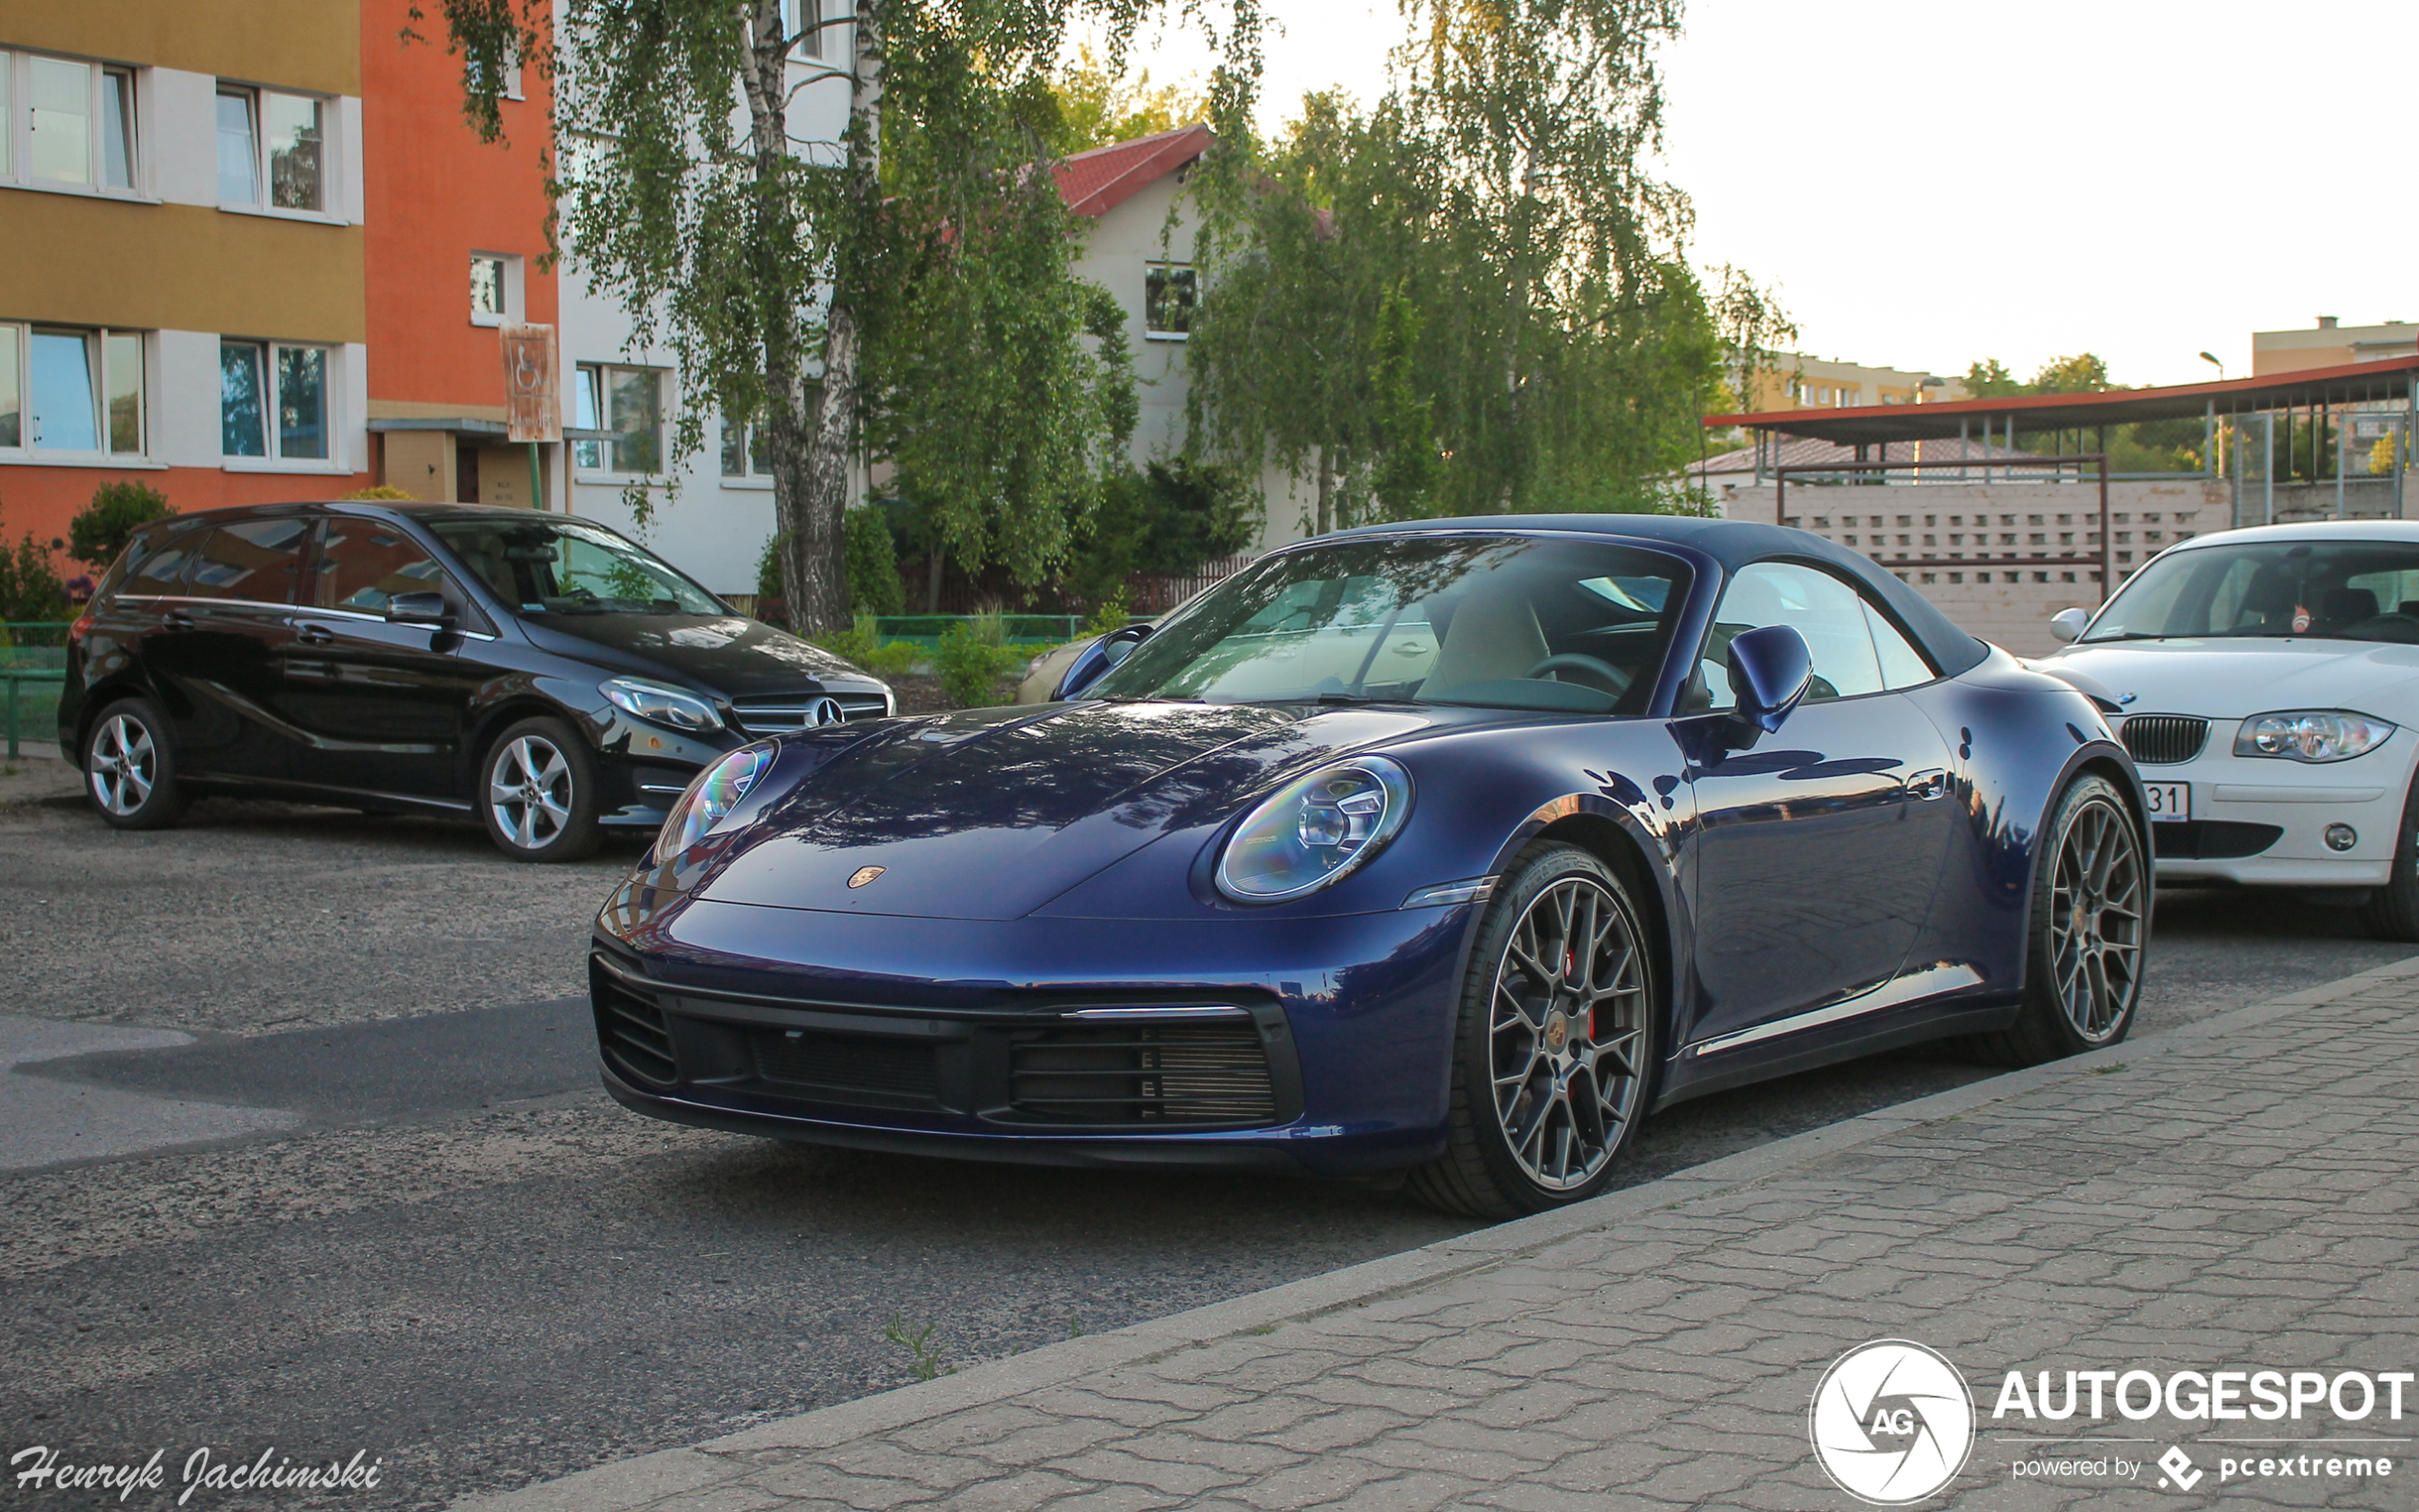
(1095, 661)
(2066, 625)
(1770, 669)
(418, 609)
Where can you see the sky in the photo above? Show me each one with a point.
(2144, 179)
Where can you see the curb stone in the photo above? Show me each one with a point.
(636, 1483)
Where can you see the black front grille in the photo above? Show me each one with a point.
(1191, 1074)
(849, 1067)
(2164, 739)
(2211, 839)
(793, 712)
(631, 1032)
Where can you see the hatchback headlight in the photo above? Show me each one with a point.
(1314, 829)
(2311, 735)
(711, 797)
(664, 705)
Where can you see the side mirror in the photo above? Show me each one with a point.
(1095, 660)
(1770, 669)
(418, 609)
(2066, 625)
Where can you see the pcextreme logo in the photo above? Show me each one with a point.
(1891, 1422)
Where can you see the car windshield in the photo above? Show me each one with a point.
(1504, 622)
(548, 567)
(2346, 591)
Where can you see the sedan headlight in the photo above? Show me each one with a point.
(2311, 735)
(711, 799)
(664, 705)
(1314, 829)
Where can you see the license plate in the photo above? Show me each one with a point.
(2169, 801)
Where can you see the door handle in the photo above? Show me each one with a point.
(176, 620)
(316, 635)
(1927, 784)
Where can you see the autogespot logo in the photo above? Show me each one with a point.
(1891, 1422)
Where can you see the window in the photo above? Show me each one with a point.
(71, 391)
(161, 571)
(365, 565)
(1855, 649)
(571, 567)
(495, 288)
(255, 562)
(801, 17)
(744, 451)
(1166, 300)
(77, 122)
(628, 403)
(271, 139)
(273, 395)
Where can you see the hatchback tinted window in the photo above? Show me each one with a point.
(364, 564)
(256, 560)
(161, 567)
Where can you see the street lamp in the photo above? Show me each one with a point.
(2221, 367)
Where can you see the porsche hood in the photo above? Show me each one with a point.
(991, 813)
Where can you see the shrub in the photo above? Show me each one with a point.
(380, 490)
(769, 567)
(28, 589)
(861, 645)
(97, 535)
(1114, 614)
(971, 661)
(873, 564)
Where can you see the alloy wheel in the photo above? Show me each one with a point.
(1566, 1031)
(529, 789)
(124, 766)
(2095, 921)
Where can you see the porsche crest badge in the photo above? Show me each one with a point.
(863, 875)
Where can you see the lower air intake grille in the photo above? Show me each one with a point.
(632, 1033)
(2211, 839)
(849, 1067)
(2157, 740)
(1194, 1074)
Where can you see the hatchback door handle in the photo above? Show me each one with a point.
(176, 620)
(316, 635)
(1927, 784)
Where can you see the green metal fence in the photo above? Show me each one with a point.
(33, 659)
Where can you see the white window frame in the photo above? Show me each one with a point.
(102, 78)
(331, 193)
(751, 479)
(100, 365)
(601, 399)
(511, 289)
(1168, 264)
(333, 416)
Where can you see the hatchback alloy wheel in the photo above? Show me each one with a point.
(1569, 1019)
(125, 765)
(531, 792)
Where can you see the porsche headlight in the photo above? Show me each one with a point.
(711, 797)
(2311, 735)
(1314, 829)
(663, 706)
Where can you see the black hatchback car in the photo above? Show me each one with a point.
(540, 670)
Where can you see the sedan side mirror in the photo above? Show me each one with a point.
(1095, 661)
(2066, 625)
(1770, 669)
(418, 609)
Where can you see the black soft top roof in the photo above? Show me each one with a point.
(1734, 544)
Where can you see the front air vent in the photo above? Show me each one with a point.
(631, 1031)
(2211, 839)
(2162, 740)
(796, 712)
(1192, 1074)
(875, 1070)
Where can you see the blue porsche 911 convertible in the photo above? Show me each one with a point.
(1452, 848)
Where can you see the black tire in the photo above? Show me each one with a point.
(2392, 911)
(537, 792)
(2086, 935)
(1550, 1130)
(130, 767)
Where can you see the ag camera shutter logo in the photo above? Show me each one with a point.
(1891, 1422)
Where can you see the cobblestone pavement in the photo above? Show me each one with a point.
(2237, 1194)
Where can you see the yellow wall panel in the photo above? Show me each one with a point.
(299, 44)
(83, 260)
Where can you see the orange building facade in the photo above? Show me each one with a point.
(252, 252)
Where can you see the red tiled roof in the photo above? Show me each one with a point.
(1096, 182)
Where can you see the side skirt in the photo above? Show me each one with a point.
(1695, 1076)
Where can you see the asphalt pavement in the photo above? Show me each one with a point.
(422, 1232)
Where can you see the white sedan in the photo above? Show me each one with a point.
(2269, 687)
